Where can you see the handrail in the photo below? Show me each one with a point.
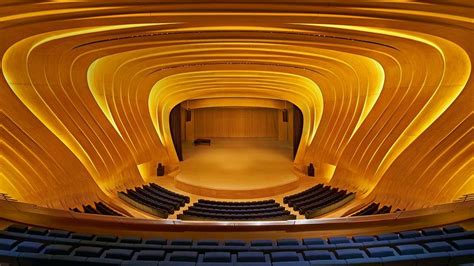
(403, 220)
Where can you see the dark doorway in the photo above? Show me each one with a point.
(297, 128)
(175, 128)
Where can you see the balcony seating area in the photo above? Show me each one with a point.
(23, 245)
(154, 199)
(318, 200)
(373, 208)
(100, 208)
(228, 210)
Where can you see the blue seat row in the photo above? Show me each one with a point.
(448, 233)
(433, 253)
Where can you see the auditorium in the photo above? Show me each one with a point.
(236, 132)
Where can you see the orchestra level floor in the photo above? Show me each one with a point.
(237, 167)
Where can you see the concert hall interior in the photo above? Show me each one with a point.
(236, 132)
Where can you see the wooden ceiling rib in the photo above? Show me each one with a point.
(385, 88)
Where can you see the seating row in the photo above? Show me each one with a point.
(154, 199)
(100, 208)
(231, 207)
(21, 251)
(236, 203)
(448, 233)
(318, 200)
(373, 208)
(219, 210)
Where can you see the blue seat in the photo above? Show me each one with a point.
(291, 263)
(188, 256)
(433, 259)
(406, 260)
(327, 262)
(463, 244)
(17, 228)
(106, 238)
(103, 262)
(460, 235)
(377, 243)
(404, 241)
(235, 243)
(253, 264)
(318, 255)
(288, 242)
(411, 249)
(432, 238)
(9, 257)
(150, 255)
(131, 240)
(389, 236)
(379, 252)
(82, 236)
(86, 251)
(34, 259)
(261, 243)
(432, 231)
(461, 256)
(349, 245)
(7, 244)
(58, 233)
(313, 241)
(440, 246)
(361, 239)
(251, 256)
(214, 264)
(176, 263)
(365, 261)
(155, 241)
(38, 238)
(116, 253)
(207, 243)
(350, 253)
(139, 263)
(282, 256)
(58, 249)
(451, 229)
(217, 257)
(409, 234)
(31, 247)
(181, 242)
(37, 231)
(338, 240)
(60, 260)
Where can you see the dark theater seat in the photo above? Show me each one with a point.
(229, 210)
(318, 200)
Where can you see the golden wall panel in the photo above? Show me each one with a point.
(236, 123)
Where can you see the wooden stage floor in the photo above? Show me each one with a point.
(237, 168)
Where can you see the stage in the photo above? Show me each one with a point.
(237, 168)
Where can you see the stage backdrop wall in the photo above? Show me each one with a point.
(238, 122)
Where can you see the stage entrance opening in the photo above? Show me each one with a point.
(237, 152)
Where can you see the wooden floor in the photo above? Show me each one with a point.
(237, 168)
